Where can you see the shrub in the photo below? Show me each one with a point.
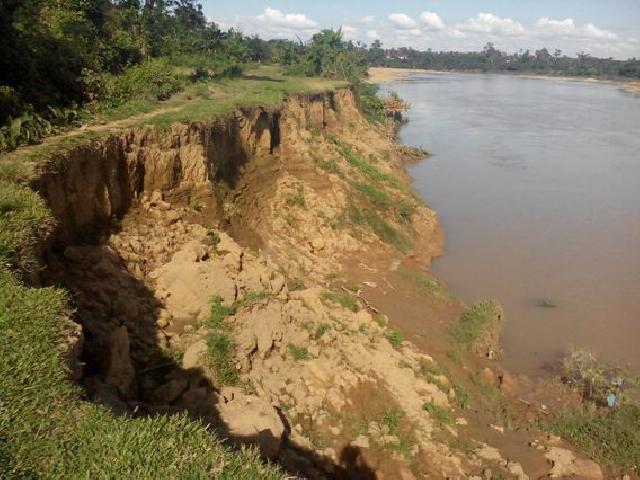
(151, 79)
(371, 105)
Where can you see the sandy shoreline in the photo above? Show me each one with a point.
(388, 75)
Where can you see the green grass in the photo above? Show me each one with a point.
(395, 337)
(24, 219)
(218, 313)
(321, 330)
(462, 395)
(610, 436)
(251, 298)
(375, 195)
(298, 353)
(426, 284)
(220, 354)
(437, 413)
(385, 231)
(369, 170)
(477, 326)
(298, 199)
(346, 301)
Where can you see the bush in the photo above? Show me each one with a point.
(151, 79)
(371, 105)
(478, 327)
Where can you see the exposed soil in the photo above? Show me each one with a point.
(254, 213)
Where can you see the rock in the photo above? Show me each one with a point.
(362, 442)
(120, 372)
(156, 197)
(516, 470)
(170, 391)
(250, 419)
(192, 357)
(487, 376)
(565, 464)
(191, 252)
(488, 453)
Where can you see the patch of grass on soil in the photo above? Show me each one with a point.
(346, 301)
(220, 349)
(298, 353)
(438, 413)
(395, 337)
(477, 328)
(610, 436)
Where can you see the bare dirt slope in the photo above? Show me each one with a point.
(253, 270)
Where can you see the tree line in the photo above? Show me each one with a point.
(63, 60)
(490, 59)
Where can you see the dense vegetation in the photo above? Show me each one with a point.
(490, 59)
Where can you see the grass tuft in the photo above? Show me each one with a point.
(478, 327)
(395, 337)
(346, 301)
(438, 413)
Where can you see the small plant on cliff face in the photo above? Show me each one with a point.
(298, 199)
(395, 337)
(462, 396)
(298, 353)
(321, 330)
(438, 413)
(213, 236)
(251, 298)
(347, 301)
(220, 349)
(194, 204)
(218, 313)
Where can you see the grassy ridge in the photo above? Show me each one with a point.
(46, 430)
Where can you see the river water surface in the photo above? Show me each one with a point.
(537, 184)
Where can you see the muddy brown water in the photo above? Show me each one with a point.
(537, 184)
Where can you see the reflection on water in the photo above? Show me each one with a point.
(537, 184)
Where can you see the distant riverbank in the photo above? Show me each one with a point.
(388, 75)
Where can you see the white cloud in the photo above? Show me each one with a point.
(591, 31)
(349, 32)
(455, 33)
(367, 20)
(547, 27)
(372, 35)
(491, 24)
(296, 21)
(432, 21)
(402, 21)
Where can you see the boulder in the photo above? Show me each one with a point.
(120, 372)
(251, 420)
(193, 356)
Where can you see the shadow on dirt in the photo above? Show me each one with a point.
(126, 363)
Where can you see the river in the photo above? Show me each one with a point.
(537, 184)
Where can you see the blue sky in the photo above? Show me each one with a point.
(600, 27)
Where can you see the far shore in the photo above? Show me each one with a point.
(388, 75)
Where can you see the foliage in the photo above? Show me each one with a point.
(610, 436)
(326, 55)
(154, 78)
(462, 396)
(596, 381)
(371, 104)
(64, 54)
(251, 298)
(490, 59)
